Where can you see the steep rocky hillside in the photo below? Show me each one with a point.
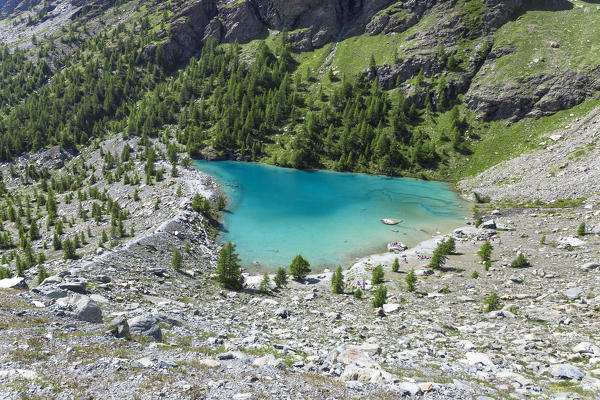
(511, 58)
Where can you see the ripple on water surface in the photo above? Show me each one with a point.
(329, 217)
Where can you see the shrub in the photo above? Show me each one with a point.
(543, 239)
(377, 276)
(481, 199)
(492, 302)
(265, 284)
(380, 296)
(395, 265)
(485, 252)
(229, 274)
(411, 281)
(581, 229)
(337, 281)
(299, 268)
(176, 259)
(357, 294)
(487, 264)
(475, 275)
(280, 278)
(478, 222)
(520, 262)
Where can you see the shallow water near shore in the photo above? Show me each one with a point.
(330, 218)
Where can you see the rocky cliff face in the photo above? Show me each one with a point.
(467, 29)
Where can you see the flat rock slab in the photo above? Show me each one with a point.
(574, 293)
(566, 371)
(13, 283)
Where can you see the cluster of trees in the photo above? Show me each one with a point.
(263, 110)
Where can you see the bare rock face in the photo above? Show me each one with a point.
(535, 97)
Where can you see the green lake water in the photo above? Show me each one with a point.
(330, 218)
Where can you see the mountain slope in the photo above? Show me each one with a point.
(459, 65)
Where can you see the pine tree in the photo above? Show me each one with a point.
(69, 250)
(56, 243)
(299, 268)
(396, 265)
(19, 267)
(357, 293)
(42, 274)
(34, 232)
(377, 275)
(176, 259)
(229, 273)
(438, 259)
(280, 278)
(485, 252)
(411, 280)
(337, 281)
(380, 297)
(265, 284)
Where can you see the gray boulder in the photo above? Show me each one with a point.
(146, 325)
(119, 328)
(50, 290)
(589, 266)
(13, 283)
(74, 285)
(574, 293)
(566, 371)
(491, 224)
(82, 308)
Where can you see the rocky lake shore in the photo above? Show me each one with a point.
(121, 322)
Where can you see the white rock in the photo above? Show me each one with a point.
(13, 283)
(474, 358)
(391, 307)
(209, 363)
(18, 373)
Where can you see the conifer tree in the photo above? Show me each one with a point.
(377, 275)
(280, 278)
(411, 280)
(42, 274)
(34, 232)
(485, 252)
(380, 297)
(396, 265)
(265, 284)
(337, 281)
(69, 250)
(229, 273)
(299, 268)
(176, 259)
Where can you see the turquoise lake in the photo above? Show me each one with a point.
(330, 218)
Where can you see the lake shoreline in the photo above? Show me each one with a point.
(330, 218)
(361, 270)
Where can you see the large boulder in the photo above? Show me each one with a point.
(146, 325)
(13, 283)
(566, 371)
(82, 308)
